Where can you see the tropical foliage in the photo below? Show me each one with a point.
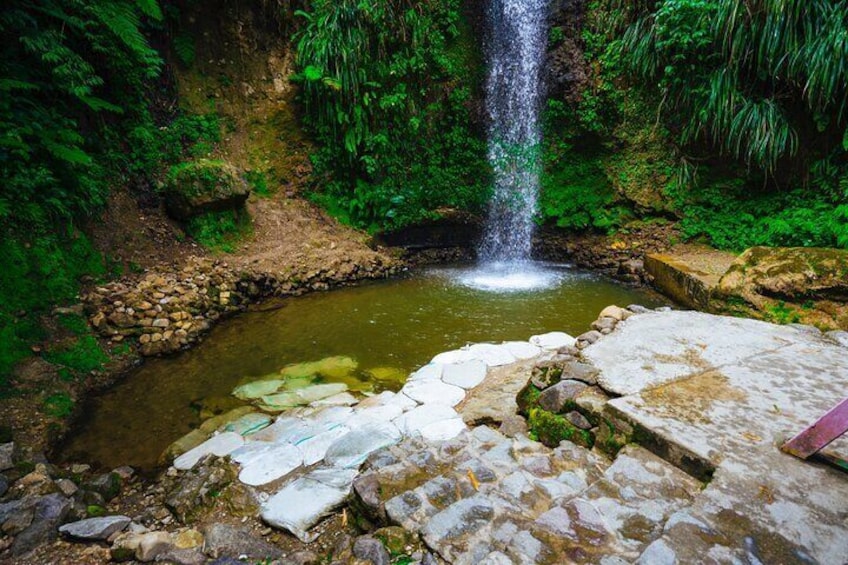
(386, 88)
(752, 77)
(76, 79)
(754, 95)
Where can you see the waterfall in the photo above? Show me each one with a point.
(516, 49)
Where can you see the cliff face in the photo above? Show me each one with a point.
(566, 69)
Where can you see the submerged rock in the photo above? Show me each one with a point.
(302, 397)
(248, 424)
(258, 389)
(387, 374)
(332, 367)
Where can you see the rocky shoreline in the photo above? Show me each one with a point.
(170, 311)
(447, 471)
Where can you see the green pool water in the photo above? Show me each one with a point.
(398, 324)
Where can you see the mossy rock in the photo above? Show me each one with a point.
(551, 429)
(197, 187)
(527, 399)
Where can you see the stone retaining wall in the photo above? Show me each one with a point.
(170, 311)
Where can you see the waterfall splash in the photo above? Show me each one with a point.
(516, 50)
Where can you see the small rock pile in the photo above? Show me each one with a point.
(562, 401)
(167, 312)
(35, 499)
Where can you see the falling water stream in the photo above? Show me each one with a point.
(515, 50)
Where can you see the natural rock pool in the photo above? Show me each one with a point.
(388, 328)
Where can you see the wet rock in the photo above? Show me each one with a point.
(257, 389)
(4, 485)
(588, 338)
(67, 487)
(301, 397)
(95, 528)
(198, 489)
(556, 398)
(107, 485)
(371, 550)
(7, 450)
(223, 540)
(50, 511)
(578, 420)
(604, 325)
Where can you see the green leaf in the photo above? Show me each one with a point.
(312, 73)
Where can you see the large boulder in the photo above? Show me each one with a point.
(201, 186)
(787, 285)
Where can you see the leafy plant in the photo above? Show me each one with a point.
(386, 87)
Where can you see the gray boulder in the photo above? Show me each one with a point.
(50, 511)
(223, 541)
(555, 398)
(95, 528)
(371, 550)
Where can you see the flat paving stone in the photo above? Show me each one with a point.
(433, 392)
(726, 400)
(465, 375)
(653, 349)
(219, 445)
(304, 502)
(553, 340)
(271, 465)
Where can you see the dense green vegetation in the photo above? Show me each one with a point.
(77, 79)
(738, 108)
(387, 88)
(727, 115)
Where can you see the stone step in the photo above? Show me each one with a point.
(486, 498)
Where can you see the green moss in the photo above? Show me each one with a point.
(59, 405)
(551, 429)
(221, 231)
(527, 399)
(95, 511)
(83, 355)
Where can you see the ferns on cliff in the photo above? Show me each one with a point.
(752, 77)
(386, 87)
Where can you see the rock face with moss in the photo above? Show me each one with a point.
(788, 285)
(201, 186)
